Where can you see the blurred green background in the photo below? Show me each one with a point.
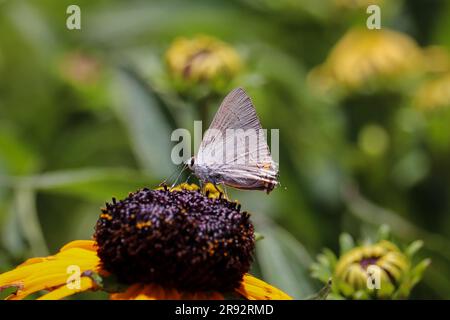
(87, 114)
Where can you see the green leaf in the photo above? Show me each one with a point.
(96, 184)
(284, 262)
(323, 260)
(418, 271)
(346, 243)
(413, 248)
(15, 156)
(415, 275)
(324, 267)
(341, 286)
(324, 292)
(384, 232)
(332, 259)
(258, 236)
(321, 272)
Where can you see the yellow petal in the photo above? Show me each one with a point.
(255, 289)
(64, 291)
(151, 292)
(32, 261)
(82, 244)
(41, 273)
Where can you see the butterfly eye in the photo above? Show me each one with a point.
(190, 163)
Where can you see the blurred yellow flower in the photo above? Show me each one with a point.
(437, 59)
(365, 56)
(371, 270)
(201, 59)
(352, 269)
(434, 94)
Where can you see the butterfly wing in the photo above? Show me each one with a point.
(235, 148)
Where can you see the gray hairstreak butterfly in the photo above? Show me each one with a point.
(234, 151)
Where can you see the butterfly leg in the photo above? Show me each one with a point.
(224, 187)
(218, 190)
(172, 175)
(216, 187)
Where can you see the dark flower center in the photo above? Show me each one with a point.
(366, 262)
(179, 239)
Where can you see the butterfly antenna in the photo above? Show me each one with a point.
(281, 186)
(164, 182)
(189, 177)
(179, 175)
(224, 187)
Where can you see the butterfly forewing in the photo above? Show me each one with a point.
(235, 145)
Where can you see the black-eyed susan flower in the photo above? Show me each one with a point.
(364, 58)
(202, 60)
(179, 243)
(377, 270)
